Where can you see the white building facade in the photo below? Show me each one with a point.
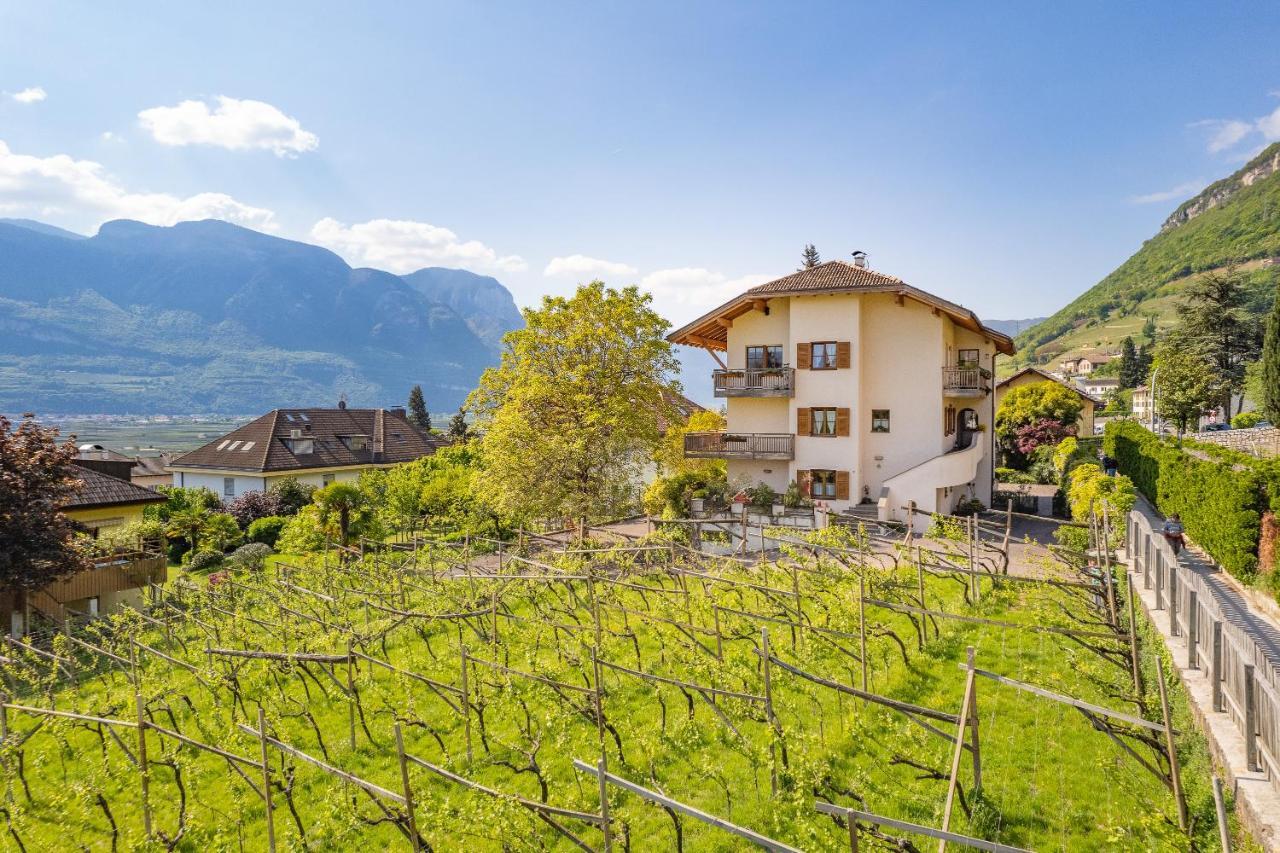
(856, 386)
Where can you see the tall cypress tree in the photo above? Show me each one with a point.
(418, 414)
(1130, 366)
(1270, 402)
(811, 258)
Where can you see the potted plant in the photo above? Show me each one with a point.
(762, 495)
(794, 497)
(698, 500)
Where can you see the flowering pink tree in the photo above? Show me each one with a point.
(1041, 432)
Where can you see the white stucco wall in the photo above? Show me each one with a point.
(250, 483)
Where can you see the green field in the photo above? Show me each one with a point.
(1050, 780)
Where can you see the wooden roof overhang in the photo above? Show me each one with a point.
(711, 330)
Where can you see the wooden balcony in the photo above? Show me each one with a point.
(755, 382)
(739, 445)
(966, 381)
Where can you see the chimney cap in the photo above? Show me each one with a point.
(860, 258)
(342, 401)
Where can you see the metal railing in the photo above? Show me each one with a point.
(739, 445)
(970, 380)
(754, 382)
(1244, 680)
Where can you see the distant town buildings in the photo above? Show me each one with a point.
(1083, 365)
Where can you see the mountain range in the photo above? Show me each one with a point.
(1232, 222)
(211, 317)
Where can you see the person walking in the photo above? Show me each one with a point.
(1173, 533)
(1109, 466)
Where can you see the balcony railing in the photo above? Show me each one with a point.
(755, 382)
(739, 445)
(966, 381)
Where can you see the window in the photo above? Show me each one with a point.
(879, 420)
(822, 484)
(228, 487)
(326, 479)
(356, 442)
(302, 446)
(823, 355)
(824, 421)
(949, 421)
(967, 358)
(759, 358)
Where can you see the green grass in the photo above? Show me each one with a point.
(1050, 780)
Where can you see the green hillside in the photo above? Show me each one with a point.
(1235, 220)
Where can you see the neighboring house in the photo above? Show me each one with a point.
(146, 471)
(1083, 365)
(103, 503)
(1141, 404)
(152, 471)
(854, 384)
(1098, 386)
(1034, 376)
(316, 446)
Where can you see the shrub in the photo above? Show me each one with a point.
(1246, 420)
(202, 561)
(1220, 494)
(177, 550)
(266, 530)
(794, 497)
(252, 506)
(251, 556)
(972, 506)
(303, 532)
(293, 495)
(1013, 475)
(1090, 491)
(762, 494)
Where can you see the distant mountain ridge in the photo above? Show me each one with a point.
(1234, 221)
(211, 317)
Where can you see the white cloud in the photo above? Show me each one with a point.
(1227, 133)
(686, 291)
(582, 266)
(31, 95)
(236, 124)
(401, 246)
(61, 186)
(1181, 191)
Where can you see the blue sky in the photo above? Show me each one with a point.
(995, 154)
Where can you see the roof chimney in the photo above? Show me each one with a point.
(860, 259)
(379, 434)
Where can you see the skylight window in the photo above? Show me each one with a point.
(248, 445)
(233, 445)
(224, 444)
(288, 417)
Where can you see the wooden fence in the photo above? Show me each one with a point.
(1246, 683)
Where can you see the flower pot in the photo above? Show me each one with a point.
(696, 504)
(779, 509)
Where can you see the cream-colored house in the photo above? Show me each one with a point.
(854, 384)
(1142, 405)
(1034, 376)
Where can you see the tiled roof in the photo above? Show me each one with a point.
(101, 490)
(1049, 377)
(831, 276)
(262, 445)
(151, 466)
(683, 405)
(840, 276)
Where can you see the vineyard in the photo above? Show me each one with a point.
(847, 691)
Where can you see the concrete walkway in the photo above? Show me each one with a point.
(1257, 799)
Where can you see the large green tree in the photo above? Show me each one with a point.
(1185, 384)
(573, 411)
(1216, 322)
(36, 477)
(1131, 372)
(418, 414)
(1268, 392)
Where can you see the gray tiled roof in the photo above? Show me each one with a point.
(98, 489)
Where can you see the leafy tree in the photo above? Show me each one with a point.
(1268, 398)
(1145, 357)
(810, 257)
(1216, 323)
(251, 506)
(293, 494)
(439, 489)
(1185, 383)
(188, 523)
(36, 477)
(304, 532)
(571, 414)
(459, 430)
(1045, 432)
(1029, 403)
(346, 502)
(178, 499)
(221, 532)
(1131, 372)
(1149, 329)
(1091, 490)
(418, 414)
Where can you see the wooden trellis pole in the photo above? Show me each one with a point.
(966, 704)
(266, 779)
(1175, 772)
(862, 626)
(768, 709)
(143, 769)
(351, 695)
(466, 704)
(410, 818)
(1133, 640)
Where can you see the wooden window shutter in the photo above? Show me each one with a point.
(804, 356)
(842, 485)
(842, 422)
(806, 482)
(804, 422)
(844, 354)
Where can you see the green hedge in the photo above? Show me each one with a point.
(1220, 494)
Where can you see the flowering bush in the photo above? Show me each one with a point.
(1045, 431)
(252, 506)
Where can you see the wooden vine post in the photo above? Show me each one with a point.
(266, 780)
(410, 818)
(973, 720)
(765, 655)
(143, 769)
(602, 764)
(466, 705)
(1175, 772)
(966, 704)
(924, 618)
(604, 805)
(351, 695)
(1133, 641)
(862, 626)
